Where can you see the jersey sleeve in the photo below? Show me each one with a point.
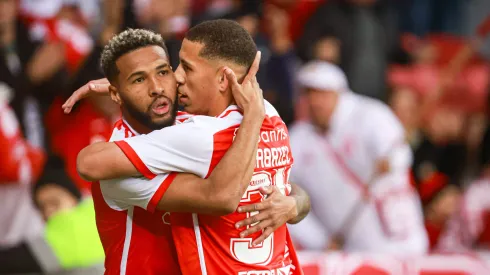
(186, 147)
(142, 192)
(386, 140)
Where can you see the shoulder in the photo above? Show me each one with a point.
(270, 111)
(481, 186)
(475, 197)
(121, 131)
(300, 130)
(375, 107)
(379, 115)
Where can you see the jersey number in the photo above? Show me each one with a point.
(242, 249)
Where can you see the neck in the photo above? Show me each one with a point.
(219, 106)
(138, 127)
(322, 129)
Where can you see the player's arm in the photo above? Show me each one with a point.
(275, 211)
(104, 161)
(302, 201)
(187, 147)
(221, 192)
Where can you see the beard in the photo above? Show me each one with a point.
(145, 119)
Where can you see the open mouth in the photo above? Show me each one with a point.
(160, 107)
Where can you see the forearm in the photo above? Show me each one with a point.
(103, 161)
(232, 175)
(189, 193)
(221, 192)
(302, 203)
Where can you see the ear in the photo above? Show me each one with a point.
(222, 80)
(115, 94)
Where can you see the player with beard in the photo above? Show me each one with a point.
(135, 234)
(208, 244)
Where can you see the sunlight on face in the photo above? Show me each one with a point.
(147, 87)
(197, 79)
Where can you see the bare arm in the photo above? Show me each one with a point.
(302, 203)
(221, 192)
(274, 212)
(103, 161)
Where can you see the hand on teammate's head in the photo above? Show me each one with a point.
(248, 94)
(94, 87)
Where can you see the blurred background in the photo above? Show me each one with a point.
(428, 60)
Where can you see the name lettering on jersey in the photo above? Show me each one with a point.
(275, 135)
(273, 150)
(272, 157)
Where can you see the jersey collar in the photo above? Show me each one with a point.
(126, 124)
(229, 110)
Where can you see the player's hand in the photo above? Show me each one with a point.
(94, 87)
(248, 95)
(274, 212)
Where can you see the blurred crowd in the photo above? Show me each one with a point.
(428, 60)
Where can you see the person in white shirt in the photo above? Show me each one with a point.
(353, 160)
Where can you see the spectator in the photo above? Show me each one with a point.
(54, 191)
(170, 18)
(469, 226)
(404, 102)
(368, 36)
(70, 240)
(278, 60)
(71, 233)
(21, 164)
(29, 70)
(353, 160)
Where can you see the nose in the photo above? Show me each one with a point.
(179, 75)
(156, 87)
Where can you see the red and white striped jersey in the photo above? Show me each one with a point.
(338, 169)
(21, 163)
(136, 237)
(469, 228)
(210, 244)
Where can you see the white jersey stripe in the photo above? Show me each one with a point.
(200, 249)
(127, 241)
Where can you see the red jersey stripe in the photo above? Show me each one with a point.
(152, 205)
(135, 159)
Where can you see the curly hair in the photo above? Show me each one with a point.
(224, 39)
(125, 42)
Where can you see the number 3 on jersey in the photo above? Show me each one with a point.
(242, 248)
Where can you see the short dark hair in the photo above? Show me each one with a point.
(224, 39)
(125, 42)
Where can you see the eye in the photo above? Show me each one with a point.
(186, 68)
(163, 72)
(139, 80)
